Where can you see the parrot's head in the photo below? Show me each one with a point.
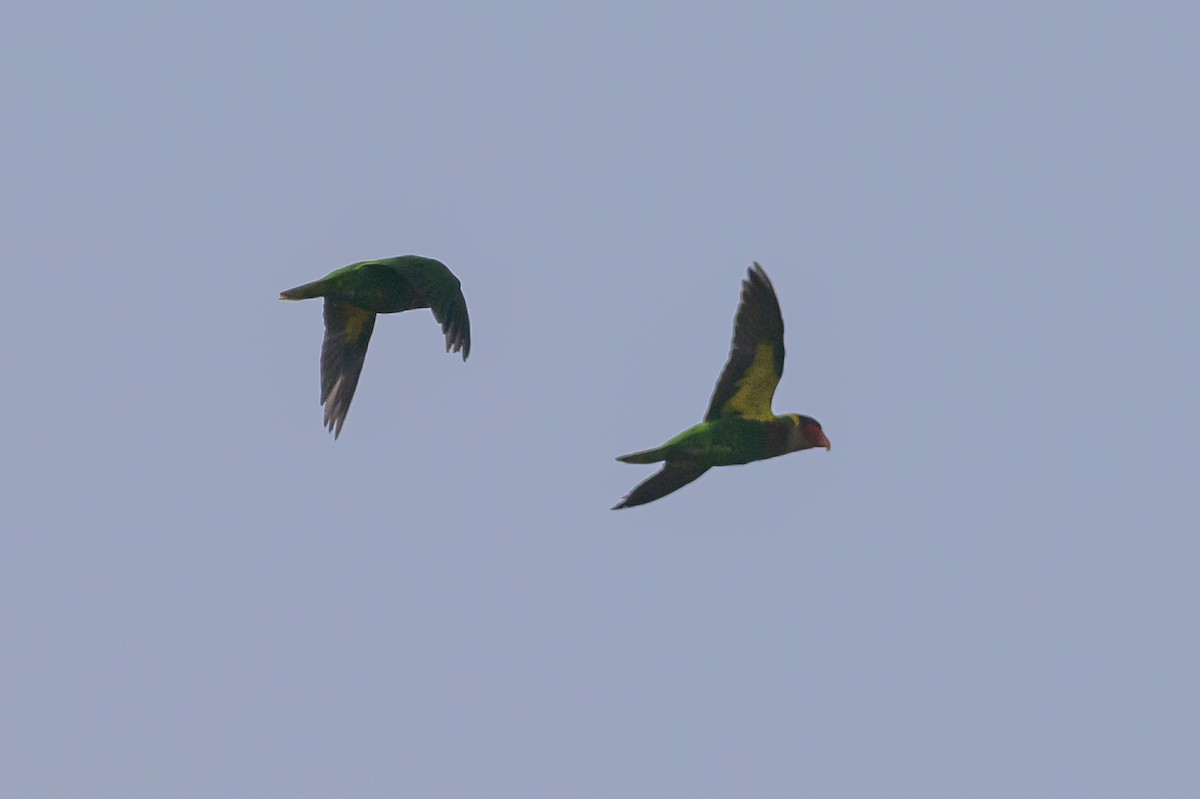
(806, 434)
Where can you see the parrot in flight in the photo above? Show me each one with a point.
(353, 296)
(740, 426)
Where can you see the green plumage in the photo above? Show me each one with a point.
(354, 295)
(729, 441)
(739, 426)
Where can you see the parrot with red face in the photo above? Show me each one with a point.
(740, 426)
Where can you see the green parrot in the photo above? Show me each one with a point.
(740, 426)
(354, 294)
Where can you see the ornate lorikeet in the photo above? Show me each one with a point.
(740, 426)
(353, 296)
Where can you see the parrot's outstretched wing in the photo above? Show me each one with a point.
(443, 293)
(347, 334)
(747, 384)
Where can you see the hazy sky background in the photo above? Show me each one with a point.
(982, 221)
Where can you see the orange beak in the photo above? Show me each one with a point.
(821, 439)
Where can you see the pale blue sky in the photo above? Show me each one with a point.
(982, 223)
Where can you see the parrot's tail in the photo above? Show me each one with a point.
(305, 292)
(645, 456)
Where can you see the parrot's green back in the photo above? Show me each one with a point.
(388, 285)
(727, 441)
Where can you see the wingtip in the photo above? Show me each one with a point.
(333, 424)
(458, 346)
(756, 272)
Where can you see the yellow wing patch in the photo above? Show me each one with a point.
(755, 387)
(355, 321)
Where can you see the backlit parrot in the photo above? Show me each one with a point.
(739, 426)
(353, 296)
